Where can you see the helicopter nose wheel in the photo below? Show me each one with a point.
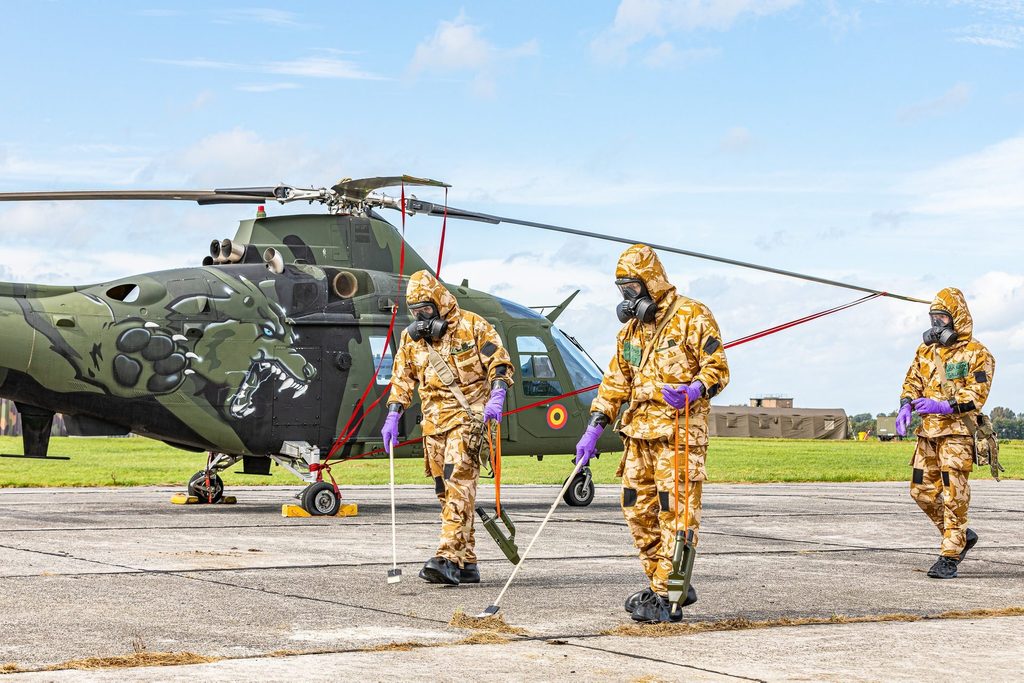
(320, 499)
(206, 493)
(581, 493)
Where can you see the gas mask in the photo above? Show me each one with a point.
(428, 324)
(636, 301)
(941, 332)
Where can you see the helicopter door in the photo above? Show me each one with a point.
(538, 375)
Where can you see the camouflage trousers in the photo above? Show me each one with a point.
(939, 484)
(648, 501)
(455, 474)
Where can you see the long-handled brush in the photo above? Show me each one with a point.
(394, 574)
(493, 608)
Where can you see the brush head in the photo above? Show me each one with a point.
(489, 612)
(394, 575)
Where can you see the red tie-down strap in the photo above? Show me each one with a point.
(350, 428)
(727, 345)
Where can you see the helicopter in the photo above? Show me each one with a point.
(261, 354)
(267, 351)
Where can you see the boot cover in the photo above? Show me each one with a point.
(470, 573)
(633, 600)
(972, 540)
(655, 609)
(944, 568)
(440, 570)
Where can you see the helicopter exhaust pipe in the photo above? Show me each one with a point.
(345, 285)
(231, 252)
(215, 252)
(273, 260)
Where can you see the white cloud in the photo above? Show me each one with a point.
(736, 139)
(637, 20)
(666, 55)
(309, 67)
(266, 87)
(260, 15)
(459, 46)
(951, 100)
(1001, 36)
(988, 182)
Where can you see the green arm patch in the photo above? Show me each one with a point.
(632, 354)
(956, 370)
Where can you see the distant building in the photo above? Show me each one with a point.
(771, 402)
(775, 417)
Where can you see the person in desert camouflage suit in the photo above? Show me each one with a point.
(686, 359)
(476, 360)
(948, 383)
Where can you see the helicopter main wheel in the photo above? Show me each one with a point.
(320, 499)
(211, 493)
(582, 491)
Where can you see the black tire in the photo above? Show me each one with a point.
(581, 493)
(320, 499)
(197, 487)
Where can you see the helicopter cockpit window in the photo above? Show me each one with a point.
(518, 310)
(536, 369)
(128, 292)
(583, 371)
(377, 348)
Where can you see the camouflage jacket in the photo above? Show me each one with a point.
(689, 348)
(961, 373)
(471, 347)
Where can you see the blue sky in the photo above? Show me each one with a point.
(880, 142)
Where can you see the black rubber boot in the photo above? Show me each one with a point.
(470, 573)
(944, 568)
(654, 609)
(440, 570)
(972, 540)
(633, 600)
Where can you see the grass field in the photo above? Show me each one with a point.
(138, 461)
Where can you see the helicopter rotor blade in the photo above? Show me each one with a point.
(198, 196)
(361, 187)
(418, 206)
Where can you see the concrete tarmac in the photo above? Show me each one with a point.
(103, 572)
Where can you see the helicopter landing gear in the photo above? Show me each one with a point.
(207, 491)
(581, 493)
(320, 499)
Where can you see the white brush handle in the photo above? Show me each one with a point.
(394, 542)
(522, 559)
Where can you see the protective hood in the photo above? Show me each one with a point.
(425, 287)
(640, 262)
(952, 301)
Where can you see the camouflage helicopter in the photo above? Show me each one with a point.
(265, 352)
(261, 354)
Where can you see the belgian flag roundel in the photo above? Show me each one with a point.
(557, 416)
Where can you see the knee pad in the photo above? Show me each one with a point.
(918, 477)
(438, 485)
(628, 497)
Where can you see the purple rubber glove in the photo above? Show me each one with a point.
(927, 406)
(677, 397)
(586, 448)
(903, 419)
(495, 404)
(389, 432)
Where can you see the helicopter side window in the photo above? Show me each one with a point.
(377, 349)
(535, 368)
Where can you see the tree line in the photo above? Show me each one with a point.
(1006, 423)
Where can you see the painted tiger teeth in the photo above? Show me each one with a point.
(300, 391)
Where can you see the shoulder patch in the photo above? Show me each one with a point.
(981, 377)
(956, 370)
(488, 349)
(631, 354)
(711, 345)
